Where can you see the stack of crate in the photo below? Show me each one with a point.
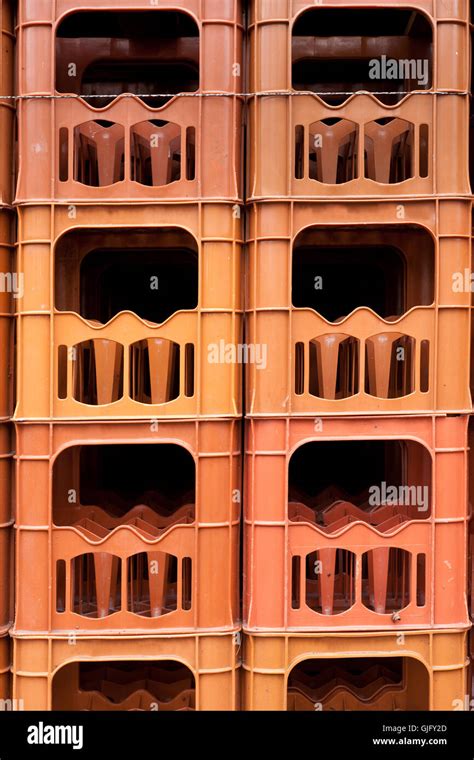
(356, 433)
(9, 290)
(128, 411)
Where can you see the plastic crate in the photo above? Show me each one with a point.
(6, 523)
(127, 146)
(48, 673)
(95, 356)
(272, 25)
(346, 151)
(7, 106)
(133, 526)
(342, 333)
(373, 538)
(339, 143)
(434, 670)
(4, 672)
(11, 287)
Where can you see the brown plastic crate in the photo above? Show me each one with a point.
(435, 667)
(104, 367)
(332, 548)
(45, 669)
(401, 345)
(157, 551)
(332, 145)
(187, 147)
(6, 523)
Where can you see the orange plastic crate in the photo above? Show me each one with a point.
(95, 356)
(434, 669)
(12, 285)
(7, 106)
(416, 135)
(121, 147)
(153, 550)
(6, 523)
(340, 335)
(48, 672)
(345, 551)
(5, 669)
(338, 143)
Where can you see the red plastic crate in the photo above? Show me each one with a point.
(111, 149)
(153, 551)
(331, 548)
(401, 344)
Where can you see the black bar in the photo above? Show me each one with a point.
(137, 734)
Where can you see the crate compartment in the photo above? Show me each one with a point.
(357, 124)
(126, 52)
(96, 543)
(359, 524)
(356, 32)
(381, 671)
(151, 673)
(127, 124)
(131, 547)
(144, 305)
(365, 683)
(332, 50)
(385, 344)
(124, 686)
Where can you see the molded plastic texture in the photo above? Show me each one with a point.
(124, 146)
(363, 523)
(46, 672)
(132, 313)
(359, 308)
(134, 526)
(434, 670)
